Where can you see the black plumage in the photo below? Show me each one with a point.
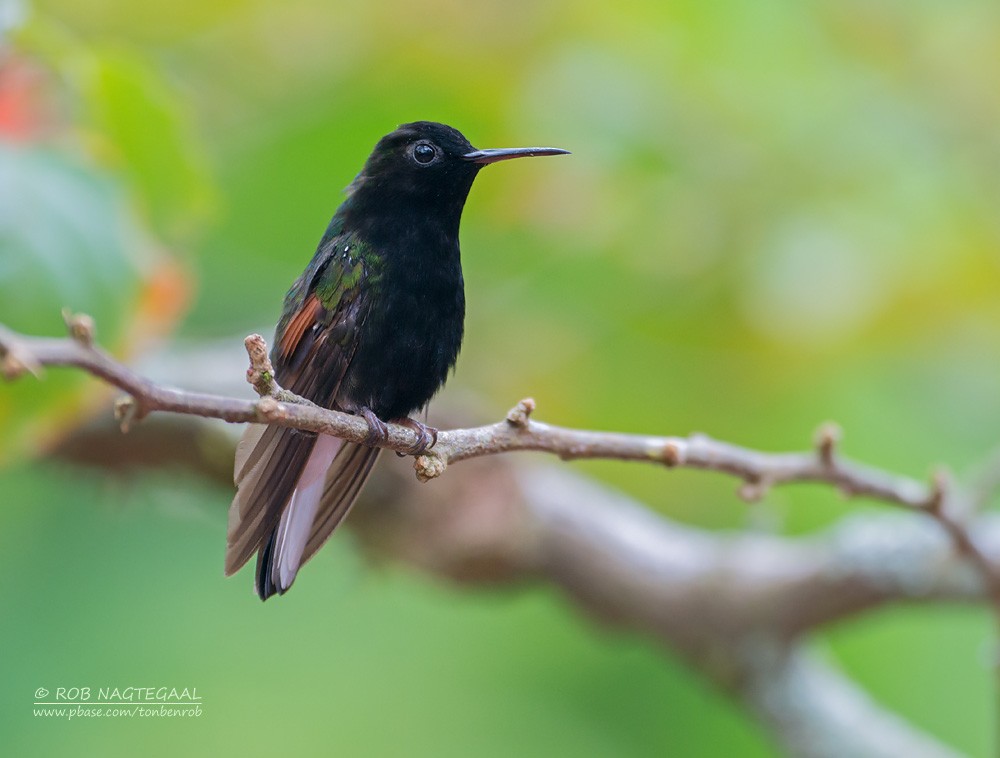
(373, 327)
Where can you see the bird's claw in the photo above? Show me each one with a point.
(427, 437)
(378, 432)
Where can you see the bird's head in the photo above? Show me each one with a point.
(428, 165)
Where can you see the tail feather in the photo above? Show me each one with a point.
(293, 491)
(344, 480)
(334, 495)
(249, 449)
(298, 517)
(265, 480)
(264, 586)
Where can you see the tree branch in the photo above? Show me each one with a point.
(736, 606)
(759, 471)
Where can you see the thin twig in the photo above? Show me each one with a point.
(759, 471)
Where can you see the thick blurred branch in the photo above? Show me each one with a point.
(737, 606)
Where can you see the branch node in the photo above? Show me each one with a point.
(260, 375)
(429, 466)
(940, 484)
(269, 409)
(671, 454)
(128, 410)
(753, 489)
(80, 326)
(827, 438)
(519, 415)
(15, 363)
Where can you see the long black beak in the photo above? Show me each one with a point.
(483, 157)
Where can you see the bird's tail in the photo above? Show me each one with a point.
(293, 490)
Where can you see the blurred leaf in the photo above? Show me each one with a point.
(67, 240)
(143, 124)
(133, 121)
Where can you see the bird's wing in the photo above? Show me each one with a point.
(280, 474)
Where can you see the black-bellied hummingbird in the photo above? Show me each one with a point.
(372, 327)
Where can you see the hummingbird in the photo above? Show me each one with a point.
(372, 327)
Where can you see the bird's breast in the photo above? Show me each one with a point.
(411, 336)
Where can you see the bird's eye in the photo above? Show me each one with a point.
(424, 153)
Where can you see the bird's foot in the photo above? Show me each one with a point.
(378, 432)
(427, 436)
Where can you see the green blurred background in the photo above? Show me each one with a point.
(777, 213)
